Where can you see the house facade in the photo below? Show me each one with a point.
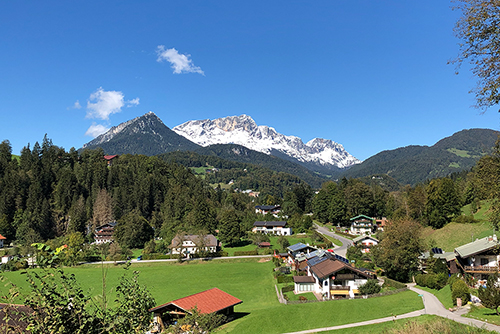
(104, 233)
(365, 242)
(479, 258)
(276, 228)
(192, 244)
(361, 225)
(332, 278)
(268, 209)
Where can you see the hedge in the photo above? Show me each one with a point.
(433, 281)
(393, 283)
(287, 288)
(285, 279)
(243, 253)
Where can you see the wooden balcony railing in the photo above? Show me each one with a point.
(340, 287)
(483, 269)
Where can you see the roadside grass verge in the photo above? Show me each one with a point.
(336, 242)
(424, 324)
(484, 314)
(444, 295)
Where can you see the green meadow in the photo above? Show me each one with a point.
(250, 280)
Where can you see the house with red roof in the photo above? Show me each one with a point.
(209, 301)
(110, 158)
(2, 240)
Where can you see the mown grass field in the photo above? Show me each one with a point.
(292, 239)
(246, 279)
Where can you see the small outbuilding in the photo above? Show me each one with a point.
(209, 301)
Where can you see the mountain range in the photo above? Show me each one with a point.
(239, 138)
(243, 130)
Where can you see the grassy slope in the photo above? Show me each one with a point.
(454, 234)
(444, 295)
(414, 325)
(484, 314)
(249, 280)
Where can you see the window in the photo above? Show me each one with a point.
(484, 261)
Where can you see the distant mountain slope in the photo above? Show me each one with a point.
(242, 130)
(142, 135)
(242, 154)
(414, 164)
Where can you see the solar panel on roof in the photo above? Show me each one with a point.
(341, 258)
(315, 260)
(437, 250)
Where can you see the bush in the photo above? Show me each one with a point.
(284, 279)
(463, 219)
(370, 287)
(394, 284)
(287, 288)
(460, 290)
(432, 281)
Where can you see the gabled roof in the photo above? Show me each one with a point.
(110, 157)
(362, 217)
(270, 224)
(2, 237)
(303, 279)
(109, 225)
(298, 247)
(208, 301)
(331, 266)
(208, 240)
(476, 247)
(363, 237)
(448, 256)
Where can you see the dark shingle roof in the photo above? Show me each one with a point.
(303, 279)
(265, 224)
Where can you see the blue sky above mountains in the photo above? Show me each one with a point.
(370, 75)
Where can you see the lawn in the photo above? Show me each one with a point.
(248, 246)
(453, 234)
(247, 279)
(289, 318)
(484, 314)
(333, 240)
(431, 323)
(444, 295)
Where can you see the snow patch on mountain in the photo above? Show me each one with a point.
(243, 130)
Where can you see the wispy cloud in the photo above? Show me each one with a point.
(103, 103)
(179, 62)
(95, 130)
(77, 105)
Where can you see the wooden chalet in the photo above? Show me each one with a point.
(110, 158)
(209, 301)
(104, 233)
(479, 258)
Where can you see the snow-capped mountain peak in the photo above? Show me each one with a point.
(244, 131)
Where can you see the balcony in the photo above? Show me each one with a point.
(481, 269)
(340, 287)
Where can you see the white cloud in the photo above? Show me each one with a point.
(179, 62)
(95, 130)
(103, 103)
(133, 102)
(77, 105)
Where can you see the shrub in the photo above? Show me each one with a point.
(463, 219)
(432, 281)
(285, 279)
(460, 290)
(370, 287)
(302, 298)
(394, 284)
(287, 288)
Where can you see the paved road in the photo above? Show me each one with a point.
(342, 250)
(432, 305)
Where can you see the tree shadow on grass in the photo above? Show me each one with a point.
(238, 315)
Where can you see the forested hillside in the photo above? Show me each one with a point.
(414, 164)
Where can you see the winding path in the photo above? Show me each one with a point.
(432, 305)
(346, 243)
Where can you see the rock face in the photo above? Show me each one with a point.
(244, 131)
(142, 135)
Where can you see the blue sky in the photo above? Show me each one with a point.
(370, 75)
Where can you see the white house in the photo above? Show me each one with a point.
(366, 242)
(6, 258)
(104, 233)
(265, 209)
(361, 225)
(277, 228)
(332, 278)
(479, 258)
(192, 244)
